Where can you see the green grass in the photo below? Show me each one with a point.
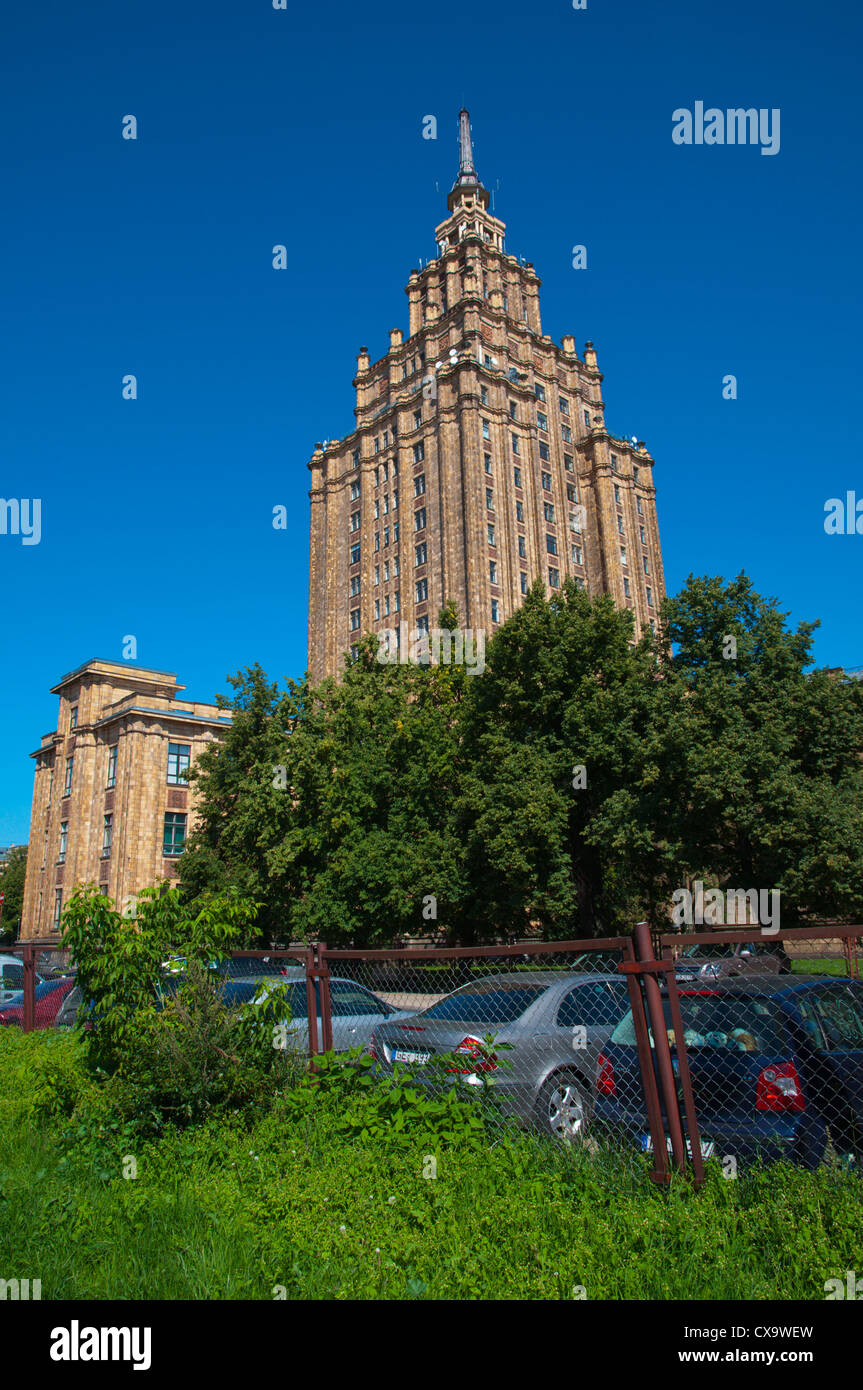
(824, 965)
(236, 1210)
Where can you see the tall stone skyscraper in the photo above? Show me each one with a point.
(480, 460)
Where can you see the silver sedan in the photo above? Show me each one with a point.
(548, 1030)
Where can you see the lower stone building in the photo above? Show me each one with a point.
(111, 804)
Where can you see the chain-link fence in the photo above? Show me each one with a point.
(736, 1045)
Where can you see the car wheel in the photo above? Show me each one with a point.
(562, 1107)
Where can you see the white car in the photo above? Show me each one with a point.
(355, 1011)
(12, 978)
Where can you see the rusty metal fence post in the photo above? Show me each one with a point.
(28, 1022)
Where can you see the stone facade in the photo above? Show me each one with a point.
(480, 460)
(106, 783)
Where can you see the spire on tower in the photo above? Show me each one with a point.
(468, 178)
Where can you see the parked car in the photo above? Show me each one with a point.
(548, 1032)
(12, 978)
(355, 1011)
(48, 999)
(722, 960)
(776, 1067)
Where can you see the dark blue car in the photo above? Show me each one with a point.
(776, 1067)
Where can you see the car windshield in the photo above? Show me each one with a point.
(711, 952)
(490, 1003)
(726, 1021)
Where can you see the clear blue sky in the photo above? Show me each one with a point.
(259, 126)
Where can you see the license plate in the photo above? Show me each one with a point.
(400, 1056)
(707, 1146)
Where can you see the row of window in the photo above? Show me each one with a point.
(173, 835)
(179, 757)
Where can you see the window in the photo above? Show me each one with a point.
(523, 582)
(377, 446)
(522, 548)
(355, 554)
(377, 540)
(67, 785)
(642, 536)
(571, 492)
(355, 651)
(593, 1006)
(546, 481)
(386, 504)
(355, 457)
(544, 450)
(514, 438)
(519, 511)
(516, 474)
(554, 579)
(386, 605)
(575, 521)
(542, 420)
(377, 477)
(112, 766)
(386, 438)
(396, 534)
(513, 410)
(396, 566)
(486, 359)
(386, 471)
(58, 909)
(422, 590)
(377, 509)
(355, 519)
(174, 834)
(483, 395)
(645, 565)
(377, 574)
(377, 610)
(395, 499)
(486, 434)
(614, 463)
(492, 571)
(649, 597)
(566, 434)
(355, 490)
(73, 718)
(586, 415)
(419, 452)
(421, 554)
(513, 374)
(355, 619)
(396, 599)
(491, 539)
(548, 511)
(495, 611)
(64, 840)
(419, 484)
(386, 535)
(638, 506)
(418, 419)
(617, 492)
(635, 475)
(179, 755)
(623, 559)
(551, 544)
(576, 554)
(420, 519)
(386, 571)
(567, 462)
(539, 391)
(564, 406)
(423, 624)
(626, 593)
(107, 834)
(620, 525)
(355, 585)
(489, 499)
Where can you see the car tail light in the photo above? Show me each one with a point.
(605, 1083)
(779, 1088)
(472, 1050)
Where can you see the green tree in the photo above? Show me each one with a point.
(12, 888)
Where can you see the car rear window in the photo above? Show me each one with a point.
(728, 1022)
(502, 1004)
